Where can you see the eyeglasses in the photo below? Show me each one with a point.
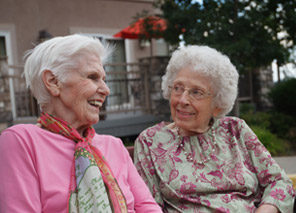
(197, 94)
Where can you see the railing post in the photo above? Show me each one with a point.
(7, 71)
(146, 86)
(236, 108)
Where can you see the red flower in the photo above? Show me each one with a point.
(187, 188)
(278, 194)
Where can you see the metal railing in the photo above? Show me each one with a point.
(129, 88)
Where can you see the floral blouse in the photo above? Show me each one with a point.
(238, 176)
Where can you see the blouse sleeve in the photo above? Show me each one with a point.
(145, 167)
(275, 185)
(144, 201)
(19, 191)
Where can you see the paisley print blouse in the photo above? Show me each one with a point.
(239, 176)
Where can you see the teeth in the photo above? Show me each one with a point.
(96, 103)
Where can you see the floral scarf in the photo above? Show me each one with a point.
(93, 187)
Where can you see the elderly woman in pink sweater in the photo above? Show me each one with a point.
(60, 164)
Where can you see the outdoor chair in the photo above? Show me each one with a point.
(130, 150)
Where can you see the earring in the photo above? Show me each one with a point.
(211, 121)
(55, 92)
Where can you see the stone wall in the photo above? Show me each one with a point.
(159, 106)
(263, 83)
(5, 104)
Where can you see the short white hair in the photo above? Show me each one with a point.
(208, 62)
(60, 55)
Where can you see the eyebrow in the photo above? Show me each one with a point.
(194, 87)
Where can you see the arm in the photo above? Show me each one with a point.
(19, 188)
(144, 202)
(266, 208)
(145, 167)
(276, 187)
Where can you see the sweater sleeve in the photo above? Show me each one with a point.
(276, 187)
(144, 201)
(19, 188)
(145, 167)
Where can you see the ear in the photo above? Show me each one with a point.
(50, 82)
(216, 112)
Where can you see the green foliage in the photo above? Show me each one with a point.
(247, 31)
(283, 97)
(276, 122)
(272, 128)
(281, 124)
(273, 144)
(261, 119)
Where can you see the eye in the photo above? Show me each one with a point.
(196, 92)
(178, 88)
(92, 77)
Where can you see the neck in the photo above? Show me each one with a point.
(80, 129)
(188, 132)
(184, 132)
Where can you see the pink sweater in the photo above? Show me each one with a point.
(35, 171)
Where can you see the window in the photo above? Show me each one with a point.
(2, 47)
(116, 82)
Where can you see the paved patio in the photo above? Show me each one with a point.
(287, 163)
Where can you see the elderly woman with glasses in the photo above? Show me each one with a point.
(204, 161)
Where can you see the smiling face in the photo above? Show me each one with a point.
(190, 115)
(79, 98)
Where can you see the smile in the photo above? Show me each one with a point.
(96, 103)
(185, 113)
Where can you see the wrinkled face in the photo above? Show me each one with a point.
(190, 115)
(84, 92)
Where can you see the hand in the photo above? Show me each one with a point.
(267, 208)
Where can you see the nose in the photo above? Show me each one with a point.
(103, 89)
(184, 98)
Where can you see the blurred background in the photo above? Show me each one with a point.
(258, 36)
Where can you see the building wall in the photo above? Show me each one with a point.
(24, 19)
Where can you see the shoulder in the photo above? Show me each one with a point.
(105, 139)
(154, 136)
(230, 122)
(153, 130)
(111, 147)
(231, 125)
(108, 142)
(22, 130)
(22, 127)
(19, 138)
(30, 136)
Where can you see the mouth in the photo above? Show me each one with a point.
(184, 113)
(96, 103)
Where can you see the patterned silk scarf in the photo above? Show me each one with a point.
(93, 187)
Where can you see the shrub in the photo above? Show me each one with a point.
(282, 95)
(251, 117)
(273, 144)
(276, 122)
(281, 124)
(272, 128)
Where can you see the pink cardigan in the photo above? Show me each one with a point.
(35, 171)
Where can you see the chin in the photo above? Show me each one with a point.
(93, 120)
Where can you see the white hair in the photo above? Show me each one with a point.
(222, 75)
(60, 55)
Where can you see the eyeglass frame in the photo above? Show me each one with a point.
(190, 92)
